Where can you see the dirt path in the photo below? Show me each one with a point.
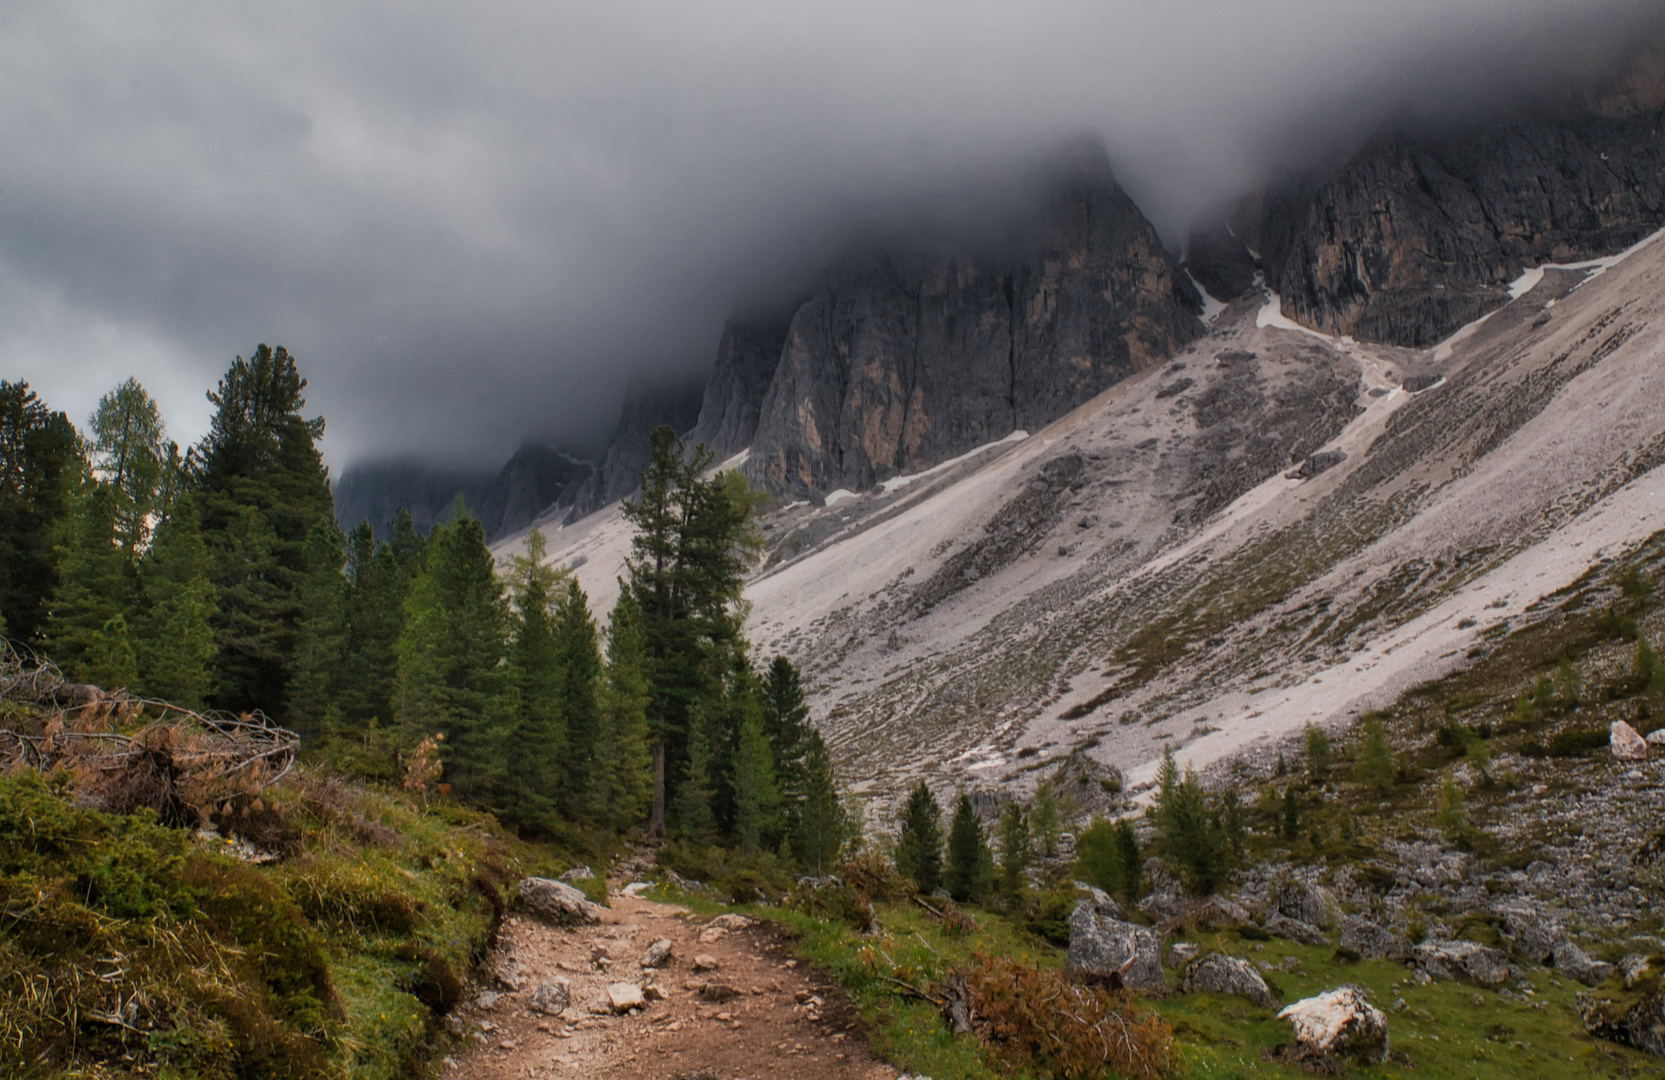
(758, 1013)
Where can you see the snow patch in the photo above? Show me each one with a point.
(1211, 306)
(836, 497)
(1271, 314)
(1596, 267)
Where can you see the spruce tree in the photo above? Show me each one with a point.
(624, 765)
(1098, 857)
(379, 578)
(821, 826)
(786, 718)
(968, 853)
(1133, 862)
(451, 657)
(126, 434)
(88, 634)
(1044, 820)
(1375, 767)
(694, 817)
(756, 795)
(537, 766)
(261, 487)
(919, 843)
(176, 639)
(321, 642)
(1015, 851)
(41, 465)
(578, 656)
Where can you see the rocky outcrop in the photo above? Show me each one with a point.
(1372, 940)
(1115, 951)
(1575, 963)
(1282, 926)
(1418, 234)
(1306, 902)
(1468, 960)
(747, 357)
(1337, 1026)
(1217, 973)
(904, 357)
(646, 406)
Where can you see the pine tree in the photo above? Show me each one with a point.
(624, 766)
(1187, 835)
(538, 766)
(821, 826)
(1291, 814)
(786, 719)
(694, 817)
(1375, 768)
(968, 853)
(41, 465)
(320, 645)
(176, 639)
(1133, 862)
(126, 434)
(451, 657)
(261, 487)
(919, 844)
(1015, 852)
(1318, 752)
(578, 655)
(756, 795)
(1098, 857)
(88, 633)
(379, 578)
(1044, 814)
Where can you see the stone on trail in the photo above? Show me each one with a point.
(1108, 948)
(658, 953)
(731, 921)
(1338, 1024)
(557, 902)
(1575, 963)
(705, 962)
(625, 996)
(552, 998)
(1218, 973)
(1626, 742)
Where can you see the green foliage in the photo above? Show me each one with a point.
(696, 819)
(1045, 819)
(314, 683)
(1569, 684)
(1191, 837)
(821, 826)
(126, 434)
(1318, 752)
(622, 773)
(786, 722)
(176, 640)
(919, 842)
(1290, 818)
(968, 854)
(1375, 768)
(41, 465)
(1015, 851)
(88, 632)
(1650, 673)
(756, 795)
(1450, 816)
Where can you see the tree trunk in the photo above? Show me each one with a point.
(656, 823)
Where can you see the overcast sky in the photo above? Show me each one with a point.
(471, 222)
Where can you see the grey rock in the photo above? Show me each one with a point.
(1181, 953)
(1218, 973)
(1337, 1026)
(1639, 1024)
(658, 954)
(1575, 963)
(1165, 907)
(1634, 967)
(747, 356)
(1532, 932)
(647, 405)
(1315, 464)
(1104, 905)
(578, 873)
(551, 998)
(1305, 902)
(904, 356)
(1279, 925)
(557, 902)
(1372, 940)
(1111, 949)
(1415, 384)
(1479, 964)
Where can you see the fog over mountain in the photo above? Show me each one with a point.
(473, 226)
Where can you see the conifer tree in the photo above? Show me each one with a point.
(126, 434)
(451, 653)
(1015, 851)
(379, 578)
(1375, 768)
(41, 465)
(968, 853)
(821, 826)
(537, 767)
(919, 843)
(1044, 820)
(1133, 862)
(786, 718)
(320, 645)
(756, 796)
(88, 633)
(695, 819)
(624, 764)
(578, 656)
(176, 640)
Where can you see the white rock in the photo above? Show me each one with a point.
(657, 953)
(1339, 1023)
(1657, 738)
(557, 902)
(731, 922)
(705, 962)
(625, 996)
(1626, 743)
(552, 997)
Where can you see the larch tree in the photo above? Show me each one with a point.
(126, 436)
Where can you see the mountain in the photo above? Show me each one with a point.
(537, 477)
(647, 405)
(1419, 233)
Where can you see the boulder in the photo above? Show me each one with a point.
(1306, 903)
(1164, 907)
(1218, 973)
(1479, 964)
(1181, 953)
(1114, 950)
(557, 902)
(1634, 967)
(658, 954)
(1371, 940)
(1103, 903)
(1532, 932)
(1315, 464)
(1636, 1022)
(1279, 925)
(1218, 912)
(705, 962)
(1626, 742)
(1336, 1025)
(625, 996)
(576, 874)
(551, 998)
(1656, 737)
(1575, 963)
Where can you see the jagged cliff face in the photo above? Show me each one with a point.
(1417, 235)
(646, 407)
(901, 360)
(747, 358)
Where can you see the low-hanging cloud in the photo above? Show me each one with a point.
(473, 222)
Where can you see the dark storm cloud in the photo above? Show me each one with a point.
(473, 222)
